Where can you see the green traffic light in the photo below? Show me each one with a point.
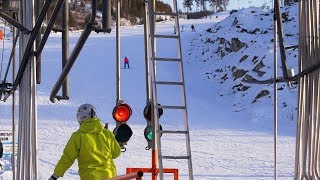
(149, 135)
(148, 132)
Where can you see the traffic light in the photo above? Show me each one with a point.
(148, 131)
(121, 113)
(122, 133)
(147, 111)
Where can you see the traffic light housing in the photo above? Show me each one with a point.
(122, 132)
(147, 111)
(148, 132)
(121, 113)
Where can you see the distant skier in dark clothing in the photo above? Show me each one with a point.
(193, 28)
(126, 63)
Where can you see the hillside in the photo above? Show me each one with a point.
(241, 48)
(231, 137)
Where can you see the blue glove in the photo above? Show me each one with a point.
(53, 177)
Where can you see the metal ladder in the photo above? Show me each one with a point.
(153, 36)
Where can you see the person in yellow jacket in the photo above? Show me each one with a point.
(92, 145)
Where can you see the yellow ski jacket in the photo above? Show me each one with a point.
(95, 148)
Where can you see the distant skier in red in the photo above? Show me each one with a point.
(126, 63)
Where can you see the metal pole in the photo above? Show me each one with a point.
(37, 6)
(65, 45)
(20, 122)
(298, 152)
(303, 93)
(275, 125)
(73, 57)
(154, 104)
(49, 27)
(281, 39)
(311, 101)
(316, 9)
(306, 104)
(146, 50)
(148, 86)
(34, 129)
(106, 14)
(118, 49)
(13, 105)
(27, 104)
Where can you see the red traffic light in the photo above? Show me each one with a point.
(121, 112)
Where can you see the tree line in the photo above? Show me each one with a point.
(201, 5)
(287, 2)
(132, 10)
(217, 5)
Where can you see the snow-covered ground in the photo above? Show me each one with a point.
(226, 144)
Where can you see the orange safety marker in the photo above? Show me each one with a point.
(154, 170)
(1, 35)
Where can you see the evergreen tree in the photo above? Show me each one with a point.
(201, 5)
(204, 4)
(188, 5)
(219, 5)
(287, 2)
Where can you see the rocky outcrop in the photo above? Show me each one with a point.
(236, 44)
(263, 93)
(257, 69)
(238, 73)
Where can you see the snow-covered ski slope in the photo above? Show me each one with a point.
(225, 144)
